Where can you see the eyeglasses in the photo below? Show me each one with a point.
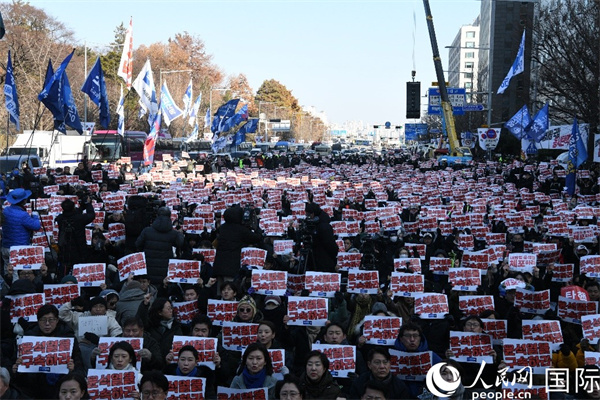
(154, 393)
(411, 336)
(289, 395)
(48, 320)
(472, 325)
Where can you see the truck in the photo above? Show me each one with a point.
(53, 148)
(457, 154)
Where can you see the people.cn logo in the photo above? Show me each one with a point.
(439, 386)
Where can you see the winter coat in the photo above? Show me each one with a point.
(270, 381)
(324, 247)
(162, 334)
(394, 386)
(18, 226)
(559, 360)
(415, 388)
(233, 236)
(75, 250)
(66, 314)
(202, 371)
(129, 302)
(325, 389)
(157, 242)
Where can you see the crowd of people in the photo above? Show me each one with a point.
(406, 207)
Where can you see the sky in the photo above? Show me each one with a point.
(350, 59)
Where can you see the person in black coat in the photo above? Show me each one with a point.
(379, 373)
(324, 247)
(233, 236)
(71, 232)
(157, 242)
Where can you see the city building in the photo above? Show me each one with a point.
(463, 60)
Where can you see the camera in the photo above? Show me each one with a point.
(250, 217)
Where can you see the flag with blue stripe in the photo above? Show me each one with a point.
(121, 114)
(236, 119)
(150, 143)
(517, 67)
(168, 108)
(187, 100)
(194, 110)
(536, 130)
(10, 95)
(517, 124)
(144, 86)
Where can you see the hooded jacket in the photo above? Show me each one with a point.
(157, 242)
(324, 247)
(129, 301)
(233, 236)
(18, 226)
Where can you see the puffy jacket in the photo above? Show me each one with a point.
(325, 248)
(71, 317)
(75, 250)
(559, 360)
(18, 226)
(233, 236)
(157, 242)
(129, 302)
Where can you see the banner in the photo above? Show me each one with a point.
(558, 137)
(89, 274)
(381, 330)
(488, 138)
(322, 284)
(111, 384)
(496, 328)
(253, 257)
(269, 282)
(570, 310)
(185, 311)
(591, 327)
(522, 262)
(464, 279)
(183, 271)
(410, 366)
(221, 311)
(41, 354)
(544, 331)
(132, 264)
(307, 311)
(237, 336)
(96, 324)
(342, 358)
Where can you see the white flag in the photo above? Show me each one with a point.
(144, 85)
(517, 67)
(187, 100)
(121, 114)
(126, 64)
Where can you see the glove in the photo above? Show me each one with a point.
(92, 338)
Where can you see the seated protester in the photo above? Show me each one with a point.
(71, 312)
(378, 362)
(187, 365)
(72, 386)
(289, 388)
(378, 309)
(133, 327)
(122, 357)
(374, 391)
(266, 337)
(316, 380)
(131, 296)
(247, 311)
(159, 322)
(256, 370)
(474, 324)
(39, 385)
(411, 340)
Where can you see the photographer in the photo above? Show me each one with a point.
(71, 232)
(324, 247)
(232, 237)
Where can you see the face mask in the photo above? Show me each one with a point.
(402, 255)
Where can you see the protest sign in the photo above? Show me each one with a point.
(26, 306)
(562, 272)
(193, 225)
(295, 283)
(431, 305)
(90, 274)
(105, 344)
(471, 347)
(220, 311)
(26, 257)
(57, 295)
(132, 264)
(322, 284)
(96, 324)
(532, 302)
(186, 388)
(410, 366)
(253, 257)
(439, 265)
(496, 328)
(407, 265)
(342, 358)
(592, 358)
(366, 282)
(183, 271)
(475, 305)
(542, 330)
(588, 265)
(571, 310)
(206, 347)
(206, 255)
(522, 262)
(464, 279)
(111, 384)
(225, 393)
(520, 353)
(404, 284)
(307, 311)
(479, 260)
(419, 249)
(381, 330)
(347, 261)
(116, 232)
(495, 238)
(185, 311)
(283, 247)
(237, 336)
(41, 354)
(278, 361)
(269, 282)
(591, 327)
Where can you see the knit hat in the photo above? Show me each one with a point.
(21, 286)
(68, 278)
(106, 292)
(247, 300)
(379, 307)
(97, 300)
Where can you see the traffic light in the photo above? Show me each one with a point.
(413, 99)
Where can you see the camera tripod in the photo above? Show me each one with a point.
(304, 255)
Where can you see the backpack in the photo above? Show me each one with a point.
(67, 232)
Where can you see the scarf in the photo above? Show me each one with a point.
(254, 381)
(193, 372)
(167, 324)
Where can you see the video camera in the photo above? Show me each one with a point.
(250, 217)
(306, 231)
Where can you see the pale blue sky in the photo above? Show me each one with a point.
(351, 59)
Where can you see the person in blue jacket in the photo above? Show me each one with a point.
(411, 340)
(18, 225)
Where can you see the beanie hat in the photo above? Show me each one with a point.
(248, 301)
(97, 300)
(106, 292)
(21, 286)
(68, 278)
(379, 307)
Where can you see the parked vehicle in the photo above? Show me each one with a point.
(53, 148)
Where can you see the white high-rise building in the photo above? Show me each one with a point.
(463, 59)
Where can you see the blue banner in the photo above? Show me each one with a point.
(95, 87)
(10, 95)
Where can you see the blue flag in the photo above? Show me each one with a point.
(193, 136)
(95, 87)
(70, 110)
(580, 155)
(250, 126)
(49, 73)
(168, 108)
(10, 95)
(194, 110)
(517, 124)
(52, 94)
(236, 119)
(222, 115)
(187, 100)
(207, 118)
(517, 67)
(539, 125)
